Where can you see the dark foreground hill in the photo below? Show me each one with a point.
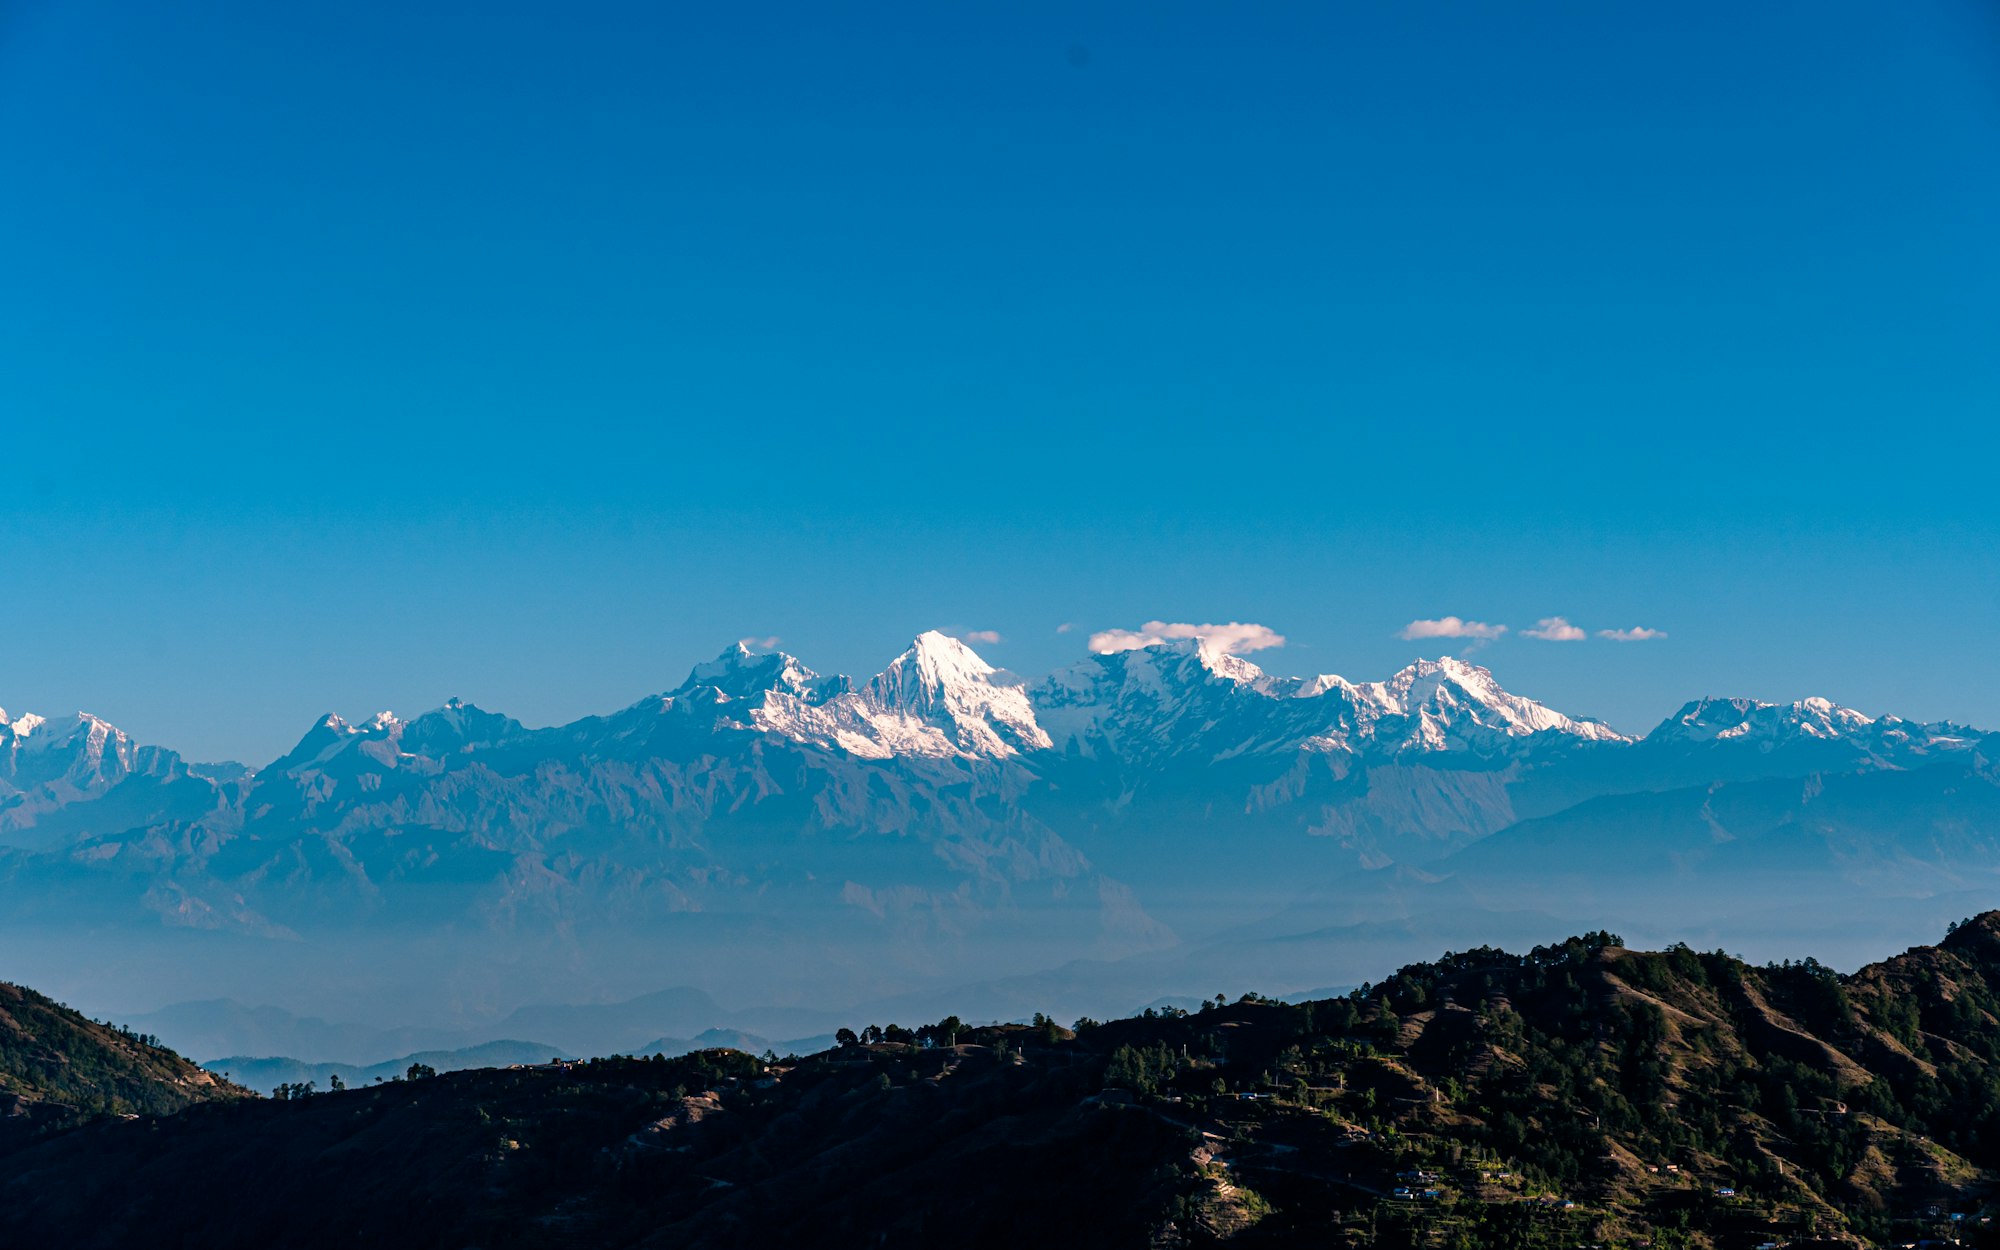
(1581, 1094)
(59, 1069)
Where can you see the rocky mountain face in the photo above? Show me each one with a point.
(50, 767)
(942, 820)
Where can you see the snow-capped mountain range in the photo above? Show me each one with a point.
(1771, 725)
(939, 699)
(1138, 718)
(949, 809)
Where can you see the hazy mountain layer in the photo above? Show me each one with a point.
(832, 842)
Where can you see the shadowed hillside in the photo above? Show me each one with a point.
(59, 1069)
(1579, 1094)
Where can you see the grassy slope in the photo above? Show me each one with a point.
(58, 1069)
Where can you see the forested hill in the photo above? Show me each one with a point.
(59, 1069)
(1580, 1094)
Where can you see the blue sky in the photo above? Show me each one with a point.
(354, 357)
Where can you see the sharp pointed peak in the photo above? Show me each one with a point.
(941, 659)
(942, 681)
(934, 660)
(324, 733)
(939, 645)
(1225, 663)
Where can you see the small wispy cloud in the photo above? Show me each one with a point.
(988, 636)
(1234, 638)
(1450, 627)
(1638, 634)
(768, 643)
(1065, 627)
(1554, 629)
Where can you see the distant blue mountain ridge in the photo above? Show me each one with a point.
(1164, 821)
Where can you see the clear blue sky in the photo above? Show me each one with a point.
(358, 355)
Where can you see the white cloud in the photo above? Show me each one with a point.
(1450, 627)
(1554, 629)
(1065, 627)
(1235, 638)
(761, 644)
(1637, 634)
(988, 636)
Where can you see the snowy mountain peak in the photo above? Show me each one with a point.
(326, 734)
(935, 664)
(737, 657)
(740, 673)
(1812, 723)
(81, 731)
(936, 700)
(1181, 664)
(1157, 701)
(1185, 699)
(943, 686)
(65, 758)
(1448, 703)
(1323, 683)
(1225, 665)
(1425, 678)
(23, 725)
(1886, 740)
(1719, 719)
(947, 650)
